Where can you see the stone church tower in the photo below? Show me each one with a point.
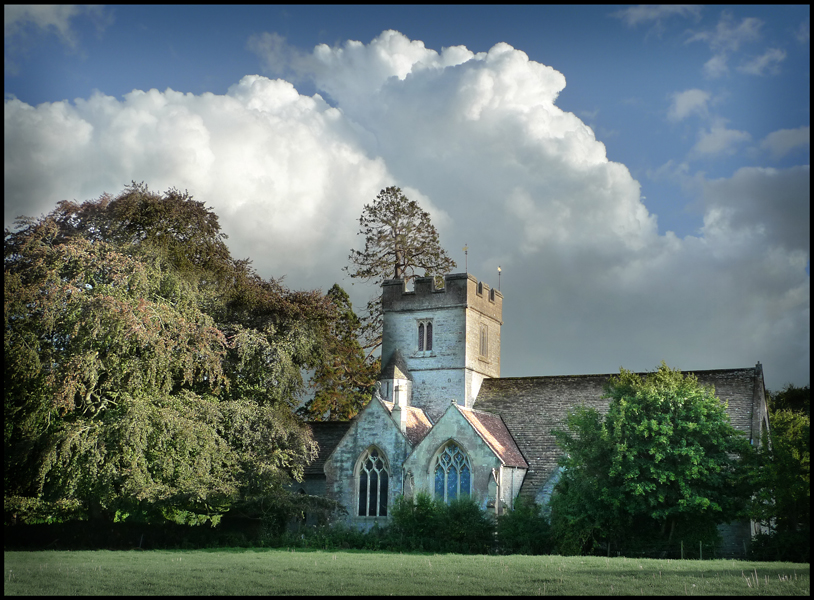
(447, 339)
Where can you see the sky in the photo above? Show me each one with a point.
(640, 174)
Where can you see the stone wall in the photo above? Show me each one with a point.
(373, 426)
(453, 426)
(454, 368)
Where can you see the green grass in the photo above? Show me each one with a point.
(283, 572)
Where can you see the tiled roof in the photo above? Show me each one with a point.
(493, 431)
(418, 423)
(532, 406)
(396, 368)
(327, 435)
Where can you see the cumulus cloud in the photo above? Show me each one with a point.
(275, 165)
(783, 141)
(770, 204)
(478, 139)
(686, 103)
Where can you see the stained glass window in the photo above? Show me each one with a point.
(373, 480)
(452, 474)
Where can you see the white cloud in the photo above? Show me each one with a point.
(725, 39)
(716, 67)
(718, 140)
(728, 36)
(636, 15)
(20, 21)
(56, 18)
(803, 33)
(686, 103)
(768, 61)
(273, 164)
(781, 142)
(480, 140)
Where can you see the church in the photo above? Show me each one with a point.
(443, 421)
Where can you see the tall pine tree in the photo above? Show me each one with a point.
(399, 239)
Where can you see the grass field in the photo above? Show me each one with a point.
(282, 572)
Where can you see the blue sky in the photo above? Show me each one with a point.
(641, 174)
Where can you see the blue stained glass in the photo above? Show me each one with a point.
(465, 480)
(452, 485)
(439, 482)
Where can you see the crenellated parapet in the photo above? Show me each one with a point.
(459, 289)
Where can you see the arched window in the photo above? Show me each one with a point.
(424, 336)
(373, 481)
(453, 474)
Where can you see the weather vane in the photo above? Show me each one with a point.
(466, 257)
(498, 278)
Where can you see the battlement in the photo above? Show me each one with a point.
(460, 289)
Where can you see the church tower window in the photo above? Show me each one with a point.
(484, 341)
(453, 474)
(373, 483)
(424, 336)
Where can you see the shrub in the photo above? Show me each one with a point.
(785, 546)
(524, 530)
(465, 528)
(415, 522)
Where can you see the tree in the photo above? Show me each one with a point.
(343, 380)
(399, 238)
(664, 461)
(791, 397)
(782, 472)
(145, 369)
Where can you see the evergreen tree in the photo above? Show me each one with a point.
(399, 238)
(344, 379)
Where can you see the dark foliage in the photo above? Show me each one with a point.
(524, 530)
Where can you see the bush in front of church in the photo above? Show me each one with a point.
(524, 530)
(425, 524)
(465, 528)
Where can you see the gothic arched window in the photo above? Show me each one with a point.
(453, 474)
(373, 481)
(424, 336)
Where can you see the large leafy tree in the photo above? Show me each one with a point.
(399, 239)
(664, 461)
(343, 380)
(782, 472)
(146, 368)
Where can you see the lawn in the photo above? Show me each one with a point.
(283, 572)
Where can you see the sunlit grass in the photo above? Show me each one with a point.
(283, 572)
